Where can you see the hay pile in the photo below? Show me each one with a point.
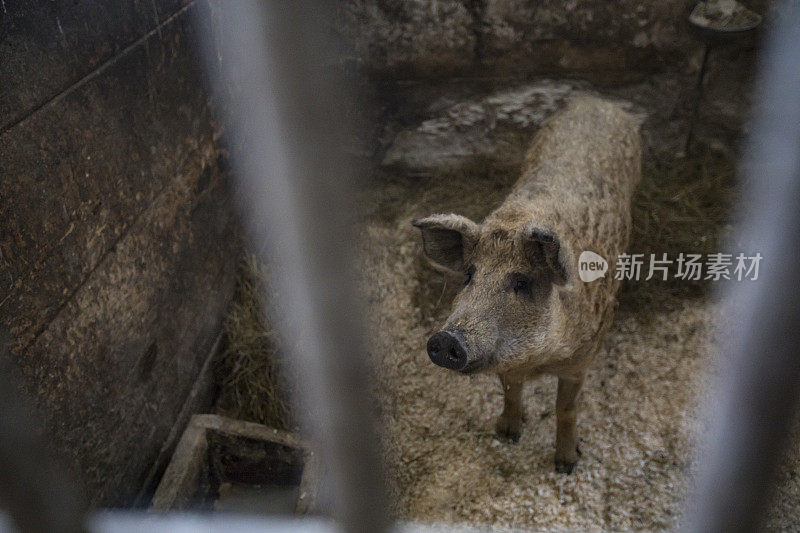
(679, 207)
(247, 375)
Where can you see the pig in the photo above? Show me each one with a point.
(523, 310)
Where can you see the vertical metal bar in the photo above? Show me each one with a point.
(34, 489)
(698, 97)
(759, 381)
(286, 127)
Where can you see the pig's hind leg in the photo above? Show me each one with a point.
(569, 388)
(509, 425)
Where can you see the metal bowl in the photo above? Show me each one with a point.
(723, 19)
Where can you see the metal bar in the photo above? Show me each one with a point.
(698, 97)
(759, 382)
(283, 104)
(34, 489)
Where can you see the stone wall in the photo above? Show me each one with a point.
(643, 48)
(116, 241)
(609, 42)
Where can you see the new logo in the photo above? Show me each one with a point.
(591, 266)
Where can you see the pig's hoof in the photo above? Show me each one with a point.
(509, 431)
(512, 436)
(565, 464)
(563, 467)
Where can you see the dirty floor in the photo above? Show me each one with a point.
(639, 404)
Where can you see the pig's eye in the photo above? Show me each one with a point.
(470, 273)
(521, 284)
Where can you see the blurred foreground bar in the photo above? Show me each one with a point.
(759, 382)
(273, 64)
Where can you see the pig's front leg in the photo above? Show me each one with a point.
(509, 425)
(569, 388)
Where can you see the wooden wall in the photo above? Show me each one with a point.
(117, 248)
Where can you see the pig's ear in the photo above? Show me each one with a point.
(448, 239)
(544, 250)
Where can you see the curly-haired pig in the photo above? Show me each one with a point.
(523, 310)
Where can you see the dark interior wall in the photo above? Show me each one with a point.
(611, 45)
(117, 240)
(607, 42)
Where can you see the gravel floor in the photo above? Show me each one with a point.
(635, 427)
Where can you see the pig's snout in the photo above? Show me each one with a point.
(446, 349)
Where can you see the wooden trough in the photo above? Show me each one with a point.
(235, 466)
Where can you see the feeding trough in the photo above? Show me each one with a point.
(227, 465)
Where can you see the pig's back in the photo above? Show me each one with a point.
(580, 173)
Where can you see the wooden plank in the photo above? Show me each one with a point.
(198, 400)
(47, 46)
(111, 371)
(118, 255)
(79, 172)
(251, 430)
(181, 477)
